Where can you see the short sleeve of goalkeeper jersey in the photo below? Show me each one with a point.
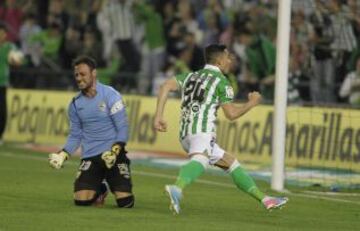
(225, 92)
(180, 79)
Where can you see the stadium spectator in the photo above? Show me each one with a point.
(119, 14)
(212, 21)
(299, 61)
(186, 15)
(28, 29)
(50, 40)
(350, 88)
(215, 9)
(197, 57)
(321, 37)
(212, 32)
(104, 25)
(260, 57)
(91, 45)
(98, 123)
(107, 74)
(153, 49)
(182, 62)
(174, 37)
(12, 15)
(58, 14)
(354, 7)
(202, 93)
(72, 45)
(262, 20)
(5, 48)
(293, 82)
(355, 54)
(344, 38)
(168, 14)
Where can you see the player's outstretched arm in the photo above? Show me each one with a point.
(233, 111)
(165, 88)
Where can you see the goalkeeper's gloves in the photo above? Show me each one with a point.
(109, 157)
(56, 160)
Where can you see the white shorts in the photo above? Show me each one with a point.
(203, 143)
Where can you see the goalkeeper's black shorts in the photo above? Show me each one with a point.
(92, 171)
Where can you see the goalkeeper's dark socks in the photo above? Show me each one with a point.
(188, 173)
(244, 182)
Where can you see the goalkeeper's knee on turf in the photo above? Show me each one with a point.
(85, 202)
(126, 202)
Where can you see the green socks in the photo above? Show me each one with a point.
(192, 170)
(188, 173)
(244, 182)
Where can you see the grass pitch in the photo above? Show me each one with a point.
(35, 197)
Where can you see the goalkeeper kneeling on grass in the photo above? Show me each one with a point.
(98, 123)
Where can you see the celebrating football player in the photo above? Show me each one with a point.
(202, 93)
(98, 123)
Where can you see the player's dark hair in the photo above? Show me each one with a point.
(85, 60)
(212, 51)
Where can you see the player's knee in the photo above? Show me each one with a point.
(202, 159)
(235, 164)
(84, 202)
(126, 202)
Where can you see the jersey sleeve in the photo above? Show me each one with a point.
(118, 115)
(225, 92)
(75, 133)
(180, 79)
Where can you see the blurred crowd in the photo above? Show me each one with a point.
(140, 43)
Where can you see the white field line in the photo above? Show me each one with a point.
(305, 194)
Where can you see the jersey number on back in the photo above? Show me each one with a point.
(194, 90)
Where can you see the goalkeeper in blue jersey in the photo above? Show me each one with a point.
(98, 123)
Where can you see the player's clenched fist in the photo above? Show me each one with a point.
(254, 97)
(56, 160)
(160, 125)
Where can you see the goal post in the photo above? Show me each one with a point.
(281, 82)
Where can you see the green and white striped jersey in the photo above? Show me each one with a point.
(202, 93)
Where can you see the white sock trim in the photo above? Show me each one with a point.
(233, 166)
(203, 160)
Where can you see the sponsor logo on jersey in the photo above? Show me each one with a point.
(195, 107)
(229, 92)
(118, 106)
(102, 106)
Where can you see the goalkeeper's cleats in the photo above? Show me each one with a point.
(103, 192)
(175, 196)
(274, 202)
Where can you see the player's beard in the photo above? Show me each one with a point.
(84, 86)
